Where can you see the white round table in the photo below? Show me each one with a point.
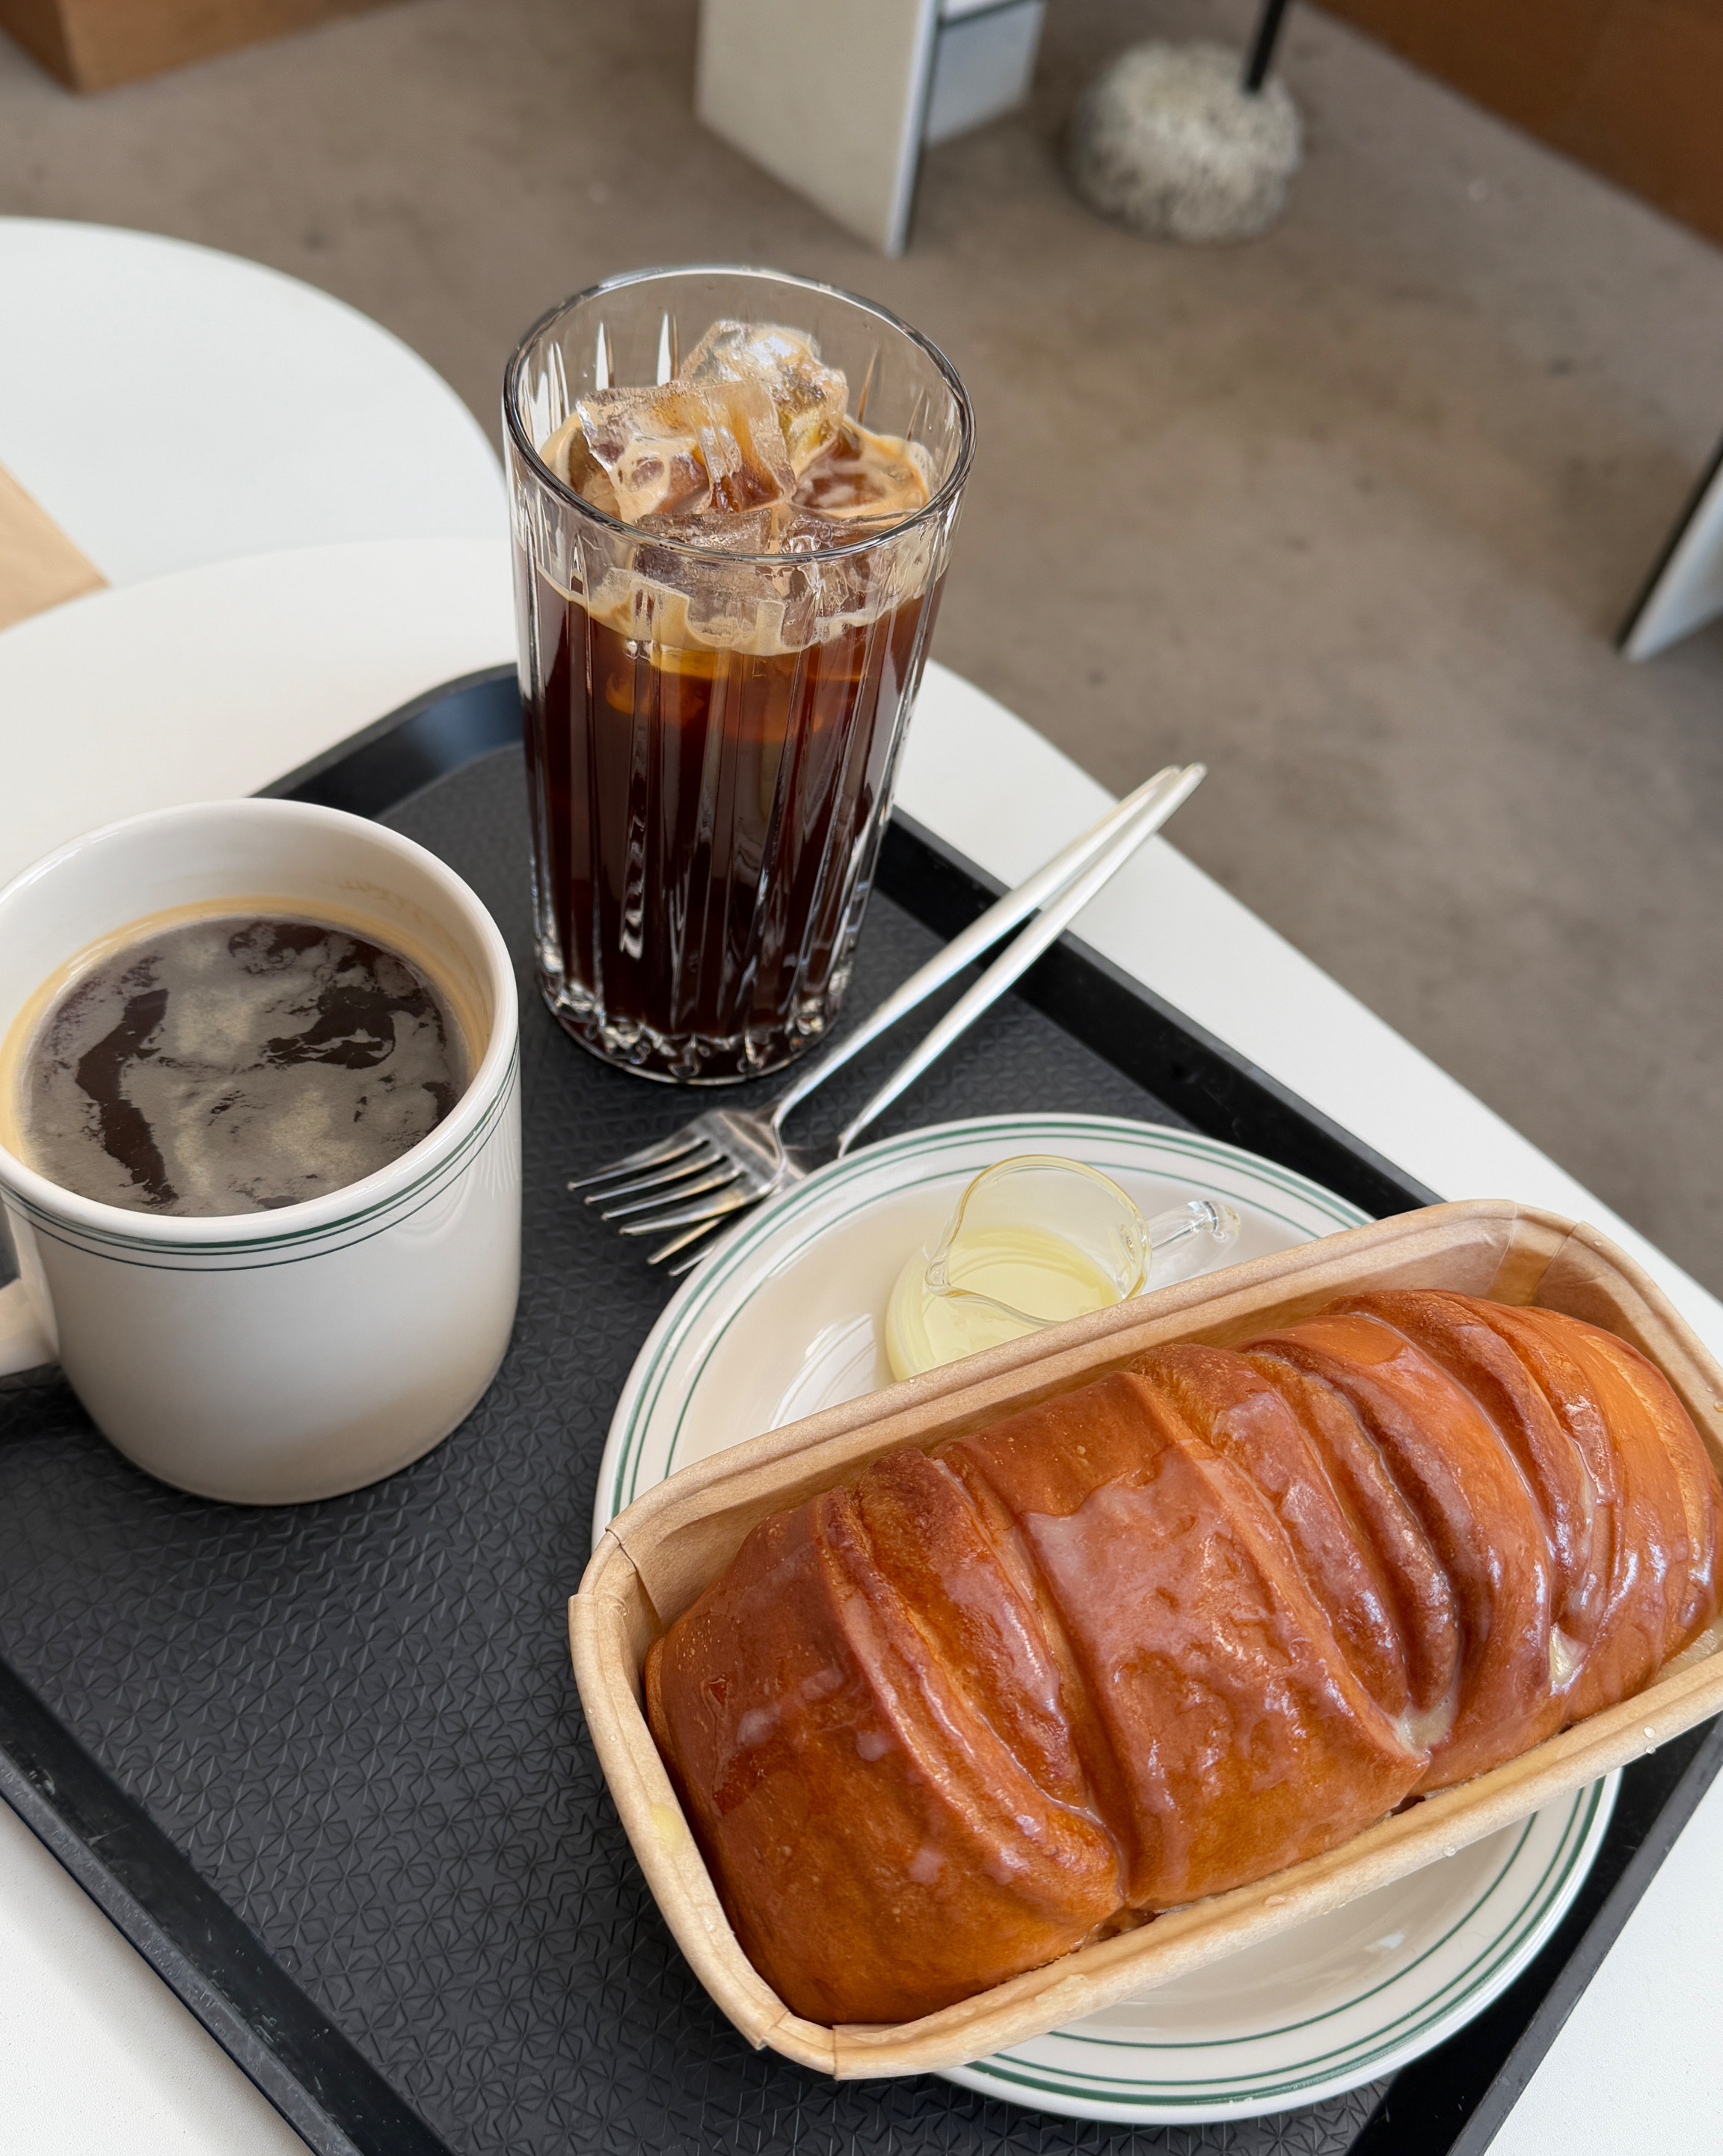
(214, 681)
(169, 406)
(95, 2051)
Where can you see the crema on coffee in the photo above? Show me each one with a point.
(231, 1064)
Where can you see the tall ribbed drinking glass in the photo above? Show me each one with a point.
(712, 733)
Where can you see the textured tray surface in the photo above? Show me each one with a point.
(357, 1718)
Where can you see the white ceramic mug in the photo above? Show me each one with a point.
(271, 1358)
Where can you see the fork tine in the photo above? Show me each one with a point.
(682, 1242)
(708, 1208)
(720, 1179)
(690, 1258)
(694, 1162)
(652, 1156)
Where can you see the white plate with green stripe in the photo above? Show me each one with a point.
(1341, 2001)
(787, 1320)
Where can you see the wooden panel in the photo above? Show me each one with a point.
(40, 27)
(94, 44)
(39, 566)
(1651, 114)
(1527, 58)
(1632, 88)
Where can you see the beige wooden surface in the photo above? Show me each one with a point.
(655, 1558)
(39, 567)
(96, 44)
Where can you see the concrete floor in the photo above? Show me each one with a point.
(1351, 513)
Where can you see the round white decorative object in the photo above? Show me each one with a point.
(1167, 141)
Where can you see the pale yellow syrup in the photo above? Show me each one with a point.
(1005, 1282)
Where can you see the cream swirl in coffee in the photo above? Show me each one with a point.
(231, 1065)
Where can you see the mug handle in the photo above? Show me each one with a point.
(23, 1345)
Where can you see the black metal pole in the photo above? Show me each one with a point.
(1262, 46)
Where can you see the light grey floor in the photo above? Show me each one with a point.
(1350, 513)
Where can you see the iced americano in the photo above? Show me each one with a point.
(717, 672)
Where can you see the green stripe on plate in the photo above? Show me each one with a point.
(1354, 2058)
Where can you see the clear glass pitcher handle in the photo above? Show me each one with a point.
(1189, 1239)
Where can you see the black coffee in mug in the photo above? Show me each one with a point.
(230, 1063)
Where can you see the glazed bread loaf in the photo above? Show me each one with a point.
(1170, 1632)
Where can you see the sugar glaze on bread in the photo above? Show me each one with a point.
(1170, 1632)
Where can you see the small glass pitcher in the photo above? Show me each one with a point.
(1034, 1240)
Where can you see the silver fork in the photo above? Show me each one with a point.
(728, 1159)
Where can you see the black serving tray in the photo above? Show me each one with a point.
(325, 1765)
